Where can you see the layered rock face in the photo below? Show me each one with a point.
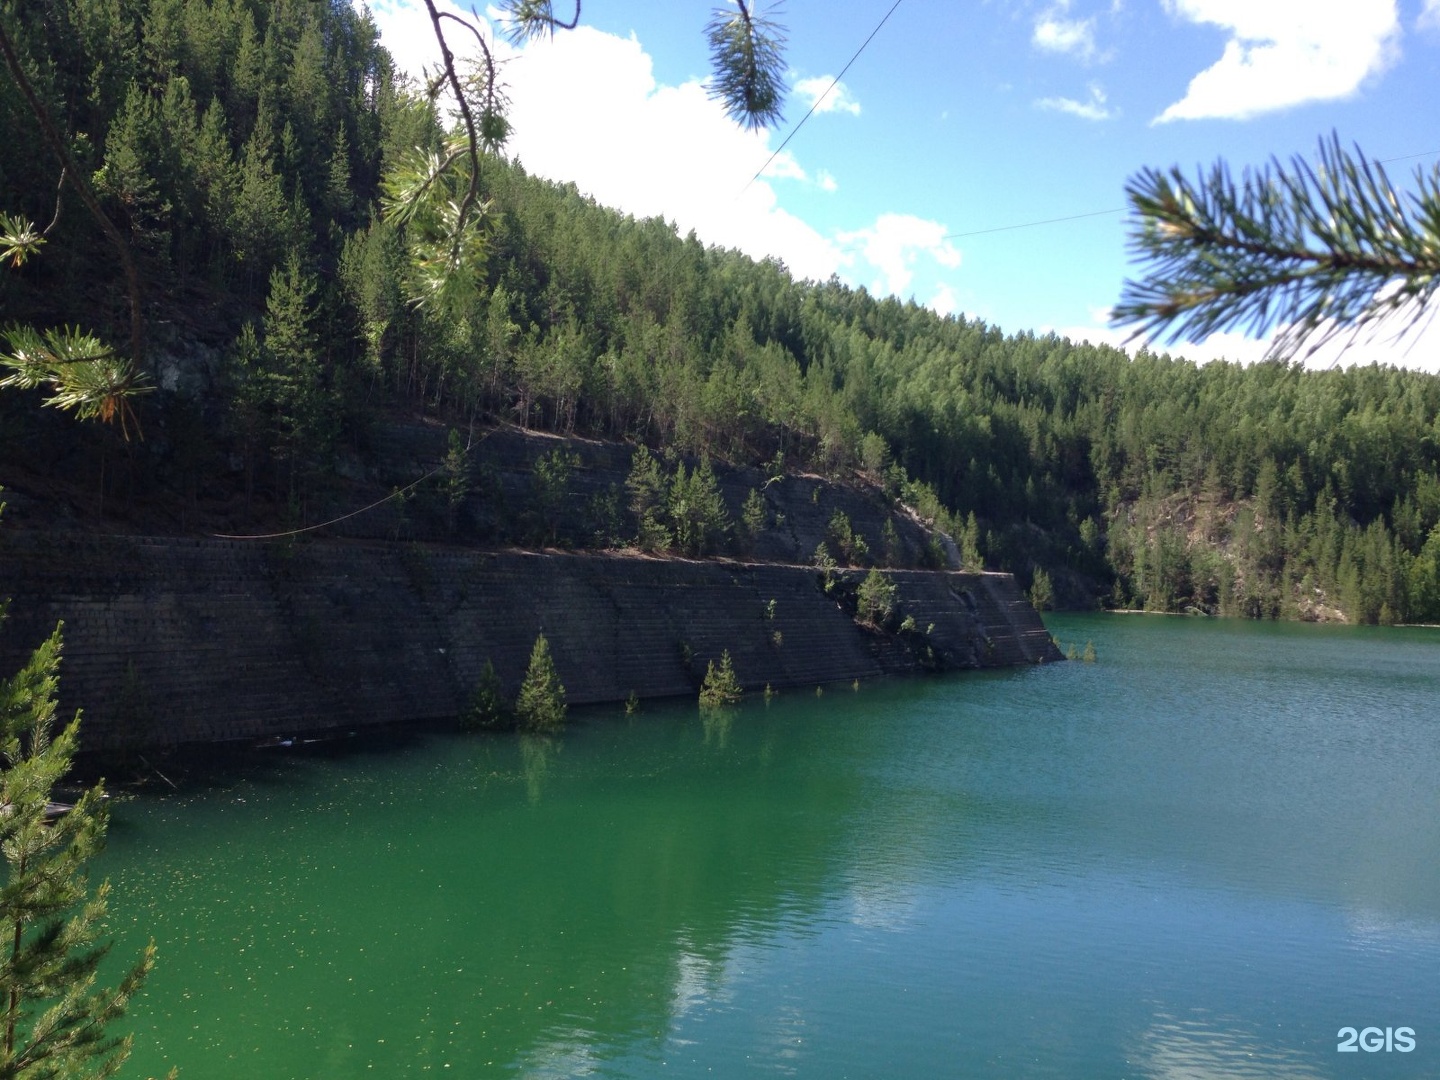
(178, 640)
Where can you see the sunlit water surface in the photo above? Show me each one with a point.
(1200, 857)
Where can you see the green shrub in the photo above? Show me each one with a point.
(847, 541)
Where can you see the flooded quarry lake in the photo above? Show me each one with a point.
(1205, 855)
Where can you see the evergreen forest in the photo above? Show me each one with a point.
(243, 149)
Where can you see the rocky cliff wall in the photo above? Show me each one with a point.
(171, 641)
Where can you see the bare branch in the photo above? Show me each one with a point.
(472, 194)
(59, 199)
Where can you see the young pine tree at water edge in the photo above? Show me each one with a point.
(541, 705)
(54, 1017)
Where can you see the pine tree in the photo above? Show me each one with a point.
(549, 485)
(488, 709)
(721, 686)
(455, 479)
(302, 411)
(876, 599)
(1042, 593)
(257, 207)
(892, 552)
(86, 376)
(697, 509)
(541, 705)
(646, 486)
(54, 1017)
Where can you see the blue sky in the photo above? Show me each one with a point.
(965, 117)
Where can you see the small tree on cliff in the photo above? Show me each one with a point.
(1042, 592)
(876, 599)
(53, 1016)
(541, 706)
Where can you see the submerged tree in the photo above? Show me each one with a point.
(488, 710)
(541, 706)
(54, 1016)
(1314, 250)
(721, 686)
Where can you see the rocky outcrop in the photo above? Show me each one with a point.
(171, 641)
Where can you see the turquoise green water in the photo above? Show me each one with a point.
(1198, 858)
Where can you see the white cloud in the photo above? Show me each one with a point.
(1430, 17)
(893, 244)
(826, 181)
(1284, 53)
(406, 33)
(1093, 109)
(943, 302)
(1056, 33)
(1419, 350)
(785, 167)
(827, 98)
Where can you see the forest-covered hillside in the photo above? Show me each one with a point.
(241, 147)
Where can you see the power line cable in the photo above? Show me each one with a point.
(1121, 210)
(396, 494)
(1031, 224)
(816, 105)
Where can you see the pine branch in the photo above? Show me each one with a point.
(87, 376)
(531, 18)
(437, 198)
(1313, 250)
(746, 54)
